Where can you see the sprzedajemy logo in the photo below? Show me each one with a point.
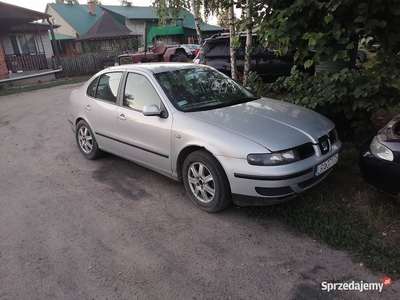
(356, 286)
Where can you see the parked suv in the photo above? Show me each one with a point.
(268, 65)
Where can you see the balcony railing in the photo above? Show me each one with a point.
(26, 62)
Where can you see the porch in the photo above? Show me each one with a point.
(28, 62)
(26, 51)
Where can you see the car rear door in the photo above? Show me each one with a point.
(143, 139)
(100, 105)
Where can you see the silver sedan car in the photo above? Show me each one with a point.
(194, 124)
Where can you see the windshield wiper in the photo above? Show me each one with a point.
(222, 104)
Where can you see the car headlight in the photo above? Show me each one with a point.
(273, 159)
(380, 150)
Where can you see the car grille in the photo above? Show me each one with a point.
(305, 150)
(332, 136)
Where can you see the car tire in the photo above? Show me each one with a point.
(86, 141)
(206, 182)
(179, 57)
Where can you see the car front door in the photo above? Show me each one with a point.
(144, 139)
(101, 109)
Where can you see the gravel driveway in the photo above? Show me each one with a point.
(71, 228)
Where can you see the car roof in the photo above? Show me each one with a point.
(225, 35)
(160, 67)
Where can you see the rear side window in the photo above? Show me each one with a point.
(217, 48)
(107, 88)
(91, 90)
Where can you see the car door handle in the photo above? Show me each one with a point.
(88, 107)
(122, 117)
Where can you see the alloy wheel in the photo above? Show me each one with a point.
(85, 139)
(201, 182)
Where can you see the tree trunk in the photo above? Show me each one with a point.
(249, 41)
(198, 30)
(231, 39)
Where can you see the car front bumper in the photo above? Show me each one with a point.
(262, 185)
(380, 173)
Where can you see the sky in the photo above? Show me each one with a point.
(40, 5)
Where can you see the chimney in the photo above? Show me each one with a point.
(92, 8)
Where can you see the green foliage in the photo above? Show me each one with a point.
(351, 95)
(333, 30)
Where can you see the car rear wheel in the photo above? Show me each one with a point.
(179, 57)
(86, 141)
(206, 182)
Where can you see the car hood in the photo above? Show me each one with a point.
(276, 125)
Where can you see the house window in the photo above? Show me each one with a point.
(23, 44)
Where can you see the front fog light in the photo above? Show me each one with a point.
(380, 150)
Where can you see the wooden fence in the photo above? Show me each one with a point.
(86, 64)
(17, 63)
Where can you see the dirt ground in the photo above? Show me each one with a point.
(71, 228)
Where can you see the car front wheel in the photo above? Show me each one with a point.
(206, 182)
(86, 141)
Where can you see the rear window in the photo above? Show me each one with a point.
(217, 48)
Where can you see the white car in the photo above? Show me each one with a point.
(194, 124)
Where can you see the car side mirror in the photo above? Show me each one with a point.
(153, 110)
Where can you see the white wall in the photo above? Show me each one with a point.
(65, 27)
(136, 26)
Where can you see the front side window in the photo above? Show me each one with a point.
(139, 92)
(107, 88)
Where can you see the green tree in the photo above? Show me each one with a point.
(125, 3)
(173, 9)
(223, 19)
(333, 30)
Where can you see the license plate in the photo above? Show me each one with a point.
(326, 165)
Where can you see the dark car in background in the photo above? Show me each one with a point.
(380, 159)
(265, 62)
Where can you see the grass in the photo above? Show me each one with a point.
(8, 90)
(348, 214)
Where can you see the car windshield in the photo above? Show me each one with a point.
(197, 89)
